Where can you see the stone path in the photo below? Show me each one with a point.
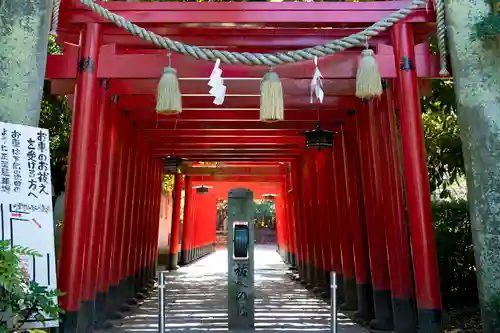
(196, 300)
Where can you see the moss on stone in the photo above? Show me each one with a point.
(23, 54)
(477, 85)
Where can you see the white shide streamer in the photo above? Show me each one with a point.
(317, 83)
(216, 82)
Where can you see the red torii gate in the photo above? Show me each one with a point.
(114, 174)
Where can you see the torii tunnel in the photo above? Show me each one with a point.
(361, 209)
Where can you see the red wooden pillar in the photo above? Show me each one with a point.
(104, 283)
(129, 219)
(301, 232)
(176, 223)
(280, 227)
(315, 221)
(283, 221)
(396, 231)
(146, 219)
(279, 234)
(357, 225)
(213, 229)
(417, 183)
(290, 205)
(125, 220)
(328, 224)
(187, 223)
(299, 247)
(157, 186)
(213, 239)
(96, 241)
(288, 221)
(323, 219)
(136, 225)
(199, 227)
(80, 178)
(307, 221)
(204, 222)
(345, 236)
(140, 218)
(373, 187)
(116, 215)
(148, 223)
(201, 222)
(194, 222)
(334, 226)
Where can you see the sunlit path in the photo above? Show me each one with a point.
(196, 300)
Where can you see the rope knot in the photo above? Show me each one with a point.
(367, 53)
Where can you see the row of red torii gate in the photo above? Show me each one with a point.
(361, 209)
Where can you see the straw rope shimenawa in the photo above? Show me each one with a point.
(274, 59)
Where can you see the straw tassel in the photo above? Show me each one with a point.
(368, 80)
(169, 99)
(271, 98)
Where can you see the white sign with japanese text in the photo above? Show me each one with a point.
(26, 201)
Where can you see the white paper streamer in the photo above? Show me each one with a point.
(317, 83)
(218, 90)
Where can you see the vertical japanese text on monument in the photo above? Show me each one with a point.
(16, 160)
(240, 276)
(26, 201)
(43, 163)
(4, 160)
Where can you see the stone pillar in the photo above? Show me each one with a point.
(23, 55)
(240, 263)
(477, 89)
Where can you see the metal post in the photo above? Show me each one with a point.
(161, 302)
(333, 293)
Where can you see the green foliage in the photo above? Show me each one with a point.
(455, 252)
(264, 213)
(168, 182)
(11, 276)
(443, 145)
(222, 214)
(56, 117)
(19, 296)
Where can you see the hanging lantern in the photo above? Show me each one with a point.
(269, 196)
(318, 138)
(171, 164)
(202, 189)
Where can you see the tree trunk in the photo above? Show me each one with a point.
(24, 29)
(477, 86)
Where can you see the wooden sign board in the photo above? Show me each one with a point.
(26, 217)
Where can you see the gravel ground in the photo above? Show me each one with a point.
(464, 320)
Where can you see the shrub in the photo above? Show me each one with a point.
(455, 252)
(21, 298)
